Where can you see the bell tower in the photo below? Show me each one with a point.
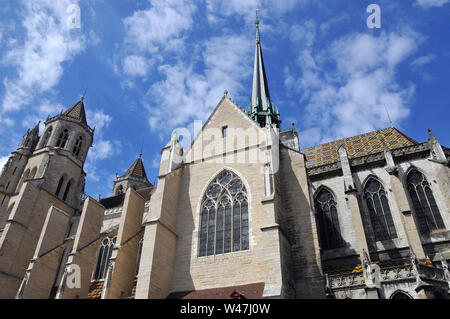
(135, 177)
(12, 172)
(46, 201)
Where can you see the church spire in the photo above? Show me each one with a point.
(262, 110)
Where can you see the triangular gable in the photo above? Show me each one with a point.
(234, 115)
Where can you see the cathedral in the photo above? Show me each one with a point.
(243, 213)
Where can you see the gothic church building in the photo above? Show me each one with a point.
(244, 212)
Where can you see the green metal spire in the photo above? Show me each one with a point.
(257, 27)
(262, 109)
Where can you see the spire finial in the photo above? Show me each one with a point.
(257, 26)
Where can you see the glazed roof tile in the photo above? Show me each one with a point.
(357, 146)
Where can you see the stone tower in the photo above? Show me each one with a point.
(12, 172)
(49, 191)
(135, 177)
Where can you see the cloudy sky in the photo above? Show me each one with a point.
(148, 67)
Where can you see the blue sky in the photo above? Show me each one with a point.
(152, 66)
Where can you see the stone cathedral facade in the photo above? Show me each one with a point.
(244, 212)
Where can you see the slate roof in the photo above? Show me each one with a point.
(250, 291)
(113, 201)
(357, 146)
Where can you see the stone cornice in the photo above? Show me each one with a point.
(377, 159)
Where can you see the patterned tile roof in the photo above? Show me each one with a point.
(250, 291)
(133, 290)
(95, 290)
(357, 146)
(137, 169)
(77, 112)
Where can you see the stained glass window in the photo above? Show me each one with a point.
(103, 257)
(425, 207)
(379, 210)
(224, 216)
(327, 218)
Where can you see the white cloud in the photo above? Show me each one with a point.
(161, 26)
(136, 65)
(423, 60)
(40, 113)
(99, 120)
(189, 95)
(349, 98)
(431, 3)
(48, 43)
(3, 160)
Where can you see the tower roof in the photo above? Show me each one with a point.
(137, 169)
(262, 109)
(77, 112)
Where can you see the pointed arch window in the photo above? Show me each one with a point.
(46, 137)
(425, 207)
(379, 210)
(329, 229)
(66, 192)
(138, 261)
(103, 257)
(58, 189)
(62, 139)
(78, 144)
(224, 216)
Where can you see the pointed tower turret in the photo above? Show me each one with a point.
(262, 109)
(134, 177)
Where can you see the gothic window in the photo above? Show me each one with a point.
(103, 257)
(379, 211)
(62, 139)
(139, 255)
(425, 207)
(58, 189)
(77, 147)
(119, 190)
(46, 136)
(66, 192)
(7, 186)
(15, 169)
(399, 295)
(224, 216)
(326, 212)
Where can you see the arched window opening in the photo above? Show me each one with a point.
(103, 257)
(14, 171)
(379, 210)
(33, 173)
(77, 146)
(224, 216)
(46, 137)
(399, 295)
(66, 192)
(62, 139)
(425, 207)
(58, 189)
(326, 212)
(119, 190)
(22, 180)
(7, 186)
(138, 261)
